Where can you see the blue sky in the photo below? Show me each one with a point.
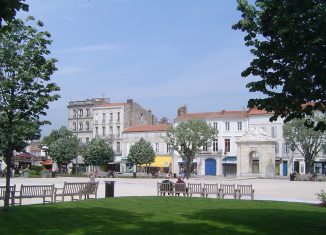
(161, 53)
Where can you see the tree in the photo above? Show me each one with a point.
(25, 87)
(8, 9)
(141, 153)
(188, 137)
(306, 140)
(287, 39)
(64, 149)
(56, 134)
(98, 152)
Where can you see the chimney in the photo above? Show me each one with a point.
(182, 111)
(164, 120)
(130, 101)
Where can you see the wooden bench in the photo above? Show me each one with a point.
(12, 190)
(194, 188)
(76, 190)
(211, 189)
(180, 188)
(228, 190)
(245, 190)
(35, 191)
(164, 188)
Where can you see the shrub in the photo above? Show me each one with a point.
(38, 169)
(32, 172)
(322, 197)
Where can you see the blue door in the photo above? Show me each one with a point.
(285, 168)
(210, 167)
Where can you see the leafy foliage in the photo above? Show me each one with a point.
(287, 39)
(64, 149)
(306, 140)
(56, 134)
(141, 153)
(188, 137)
(8, 9)
(25, 87)
(322, 197)
(98, 152)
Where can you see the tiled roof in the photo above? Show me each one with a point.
(212, 115)
(148, 128)
(255, 111)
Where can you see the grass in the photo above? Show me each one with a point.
(164, 215)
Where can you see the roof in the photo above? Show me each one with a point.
(255, 111)
(148, 128)
(112, 105)
(212, 115)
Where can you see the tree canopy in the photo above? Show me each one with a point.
(287, 39)
(141, 153)
(56, 134)
(26, 90)
(306, 141)
(97, 152)
(8, 9)
(188, 137)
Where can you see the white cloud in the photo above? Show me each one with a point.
(92, 48)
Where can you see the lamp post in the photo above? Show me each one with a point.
(76, 160)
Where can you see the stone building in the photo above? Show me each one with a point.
(155, 135)
(80, 117)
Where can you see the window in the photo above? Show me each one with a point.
(157, 147)
(215, 145)
(205, 147)
(215, 125)
(87, 125)
(227, 126)
(118, 129)
(80, 112)
(277, 148)
(273, 131)
(118, 118)
(103, 117)
(168, 149)
(239, 126)
(227, 145)
(96, 131)
(87, 140)
(80, 126)
(111, 117)
(111, 130)
(88, 112)
(103, 130)
(74, 125)
(118, 147)
(75, 113)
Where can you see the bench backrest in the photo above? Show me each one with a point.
(73, 188)
(36, 190)
(210, 188)
(164, 187)
(195, 188)
(3, 189)
(245, 189)
(228, 188)
(180, 187)
(89, 188)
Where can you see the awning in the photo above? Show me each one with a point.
(161, 161)
(47, 162)
(230, 160)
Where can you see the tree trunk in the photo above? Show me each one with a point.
(308, 163)
(188, 167)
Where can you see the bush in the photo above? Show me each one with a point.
(32, 172)
(38, 169)
(322, 197)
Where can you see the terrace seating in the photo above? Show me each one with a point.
(195, 189)
(245, 190)
(76, 190)
(211, 189)
(12, 190)
(35, 191)
(228, 190)
(180, 188)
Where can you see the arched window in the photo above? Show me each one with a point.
(80, 126)
(87, 125)
(75, 113)
(74, 125)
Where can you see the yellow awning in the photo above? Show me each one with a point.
(161, 161)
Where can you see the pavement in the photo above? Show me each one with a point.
(280, 189)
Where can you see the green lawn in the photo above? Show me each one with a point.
(164, 215)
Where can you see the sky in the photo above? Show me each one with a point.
(161, 53)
